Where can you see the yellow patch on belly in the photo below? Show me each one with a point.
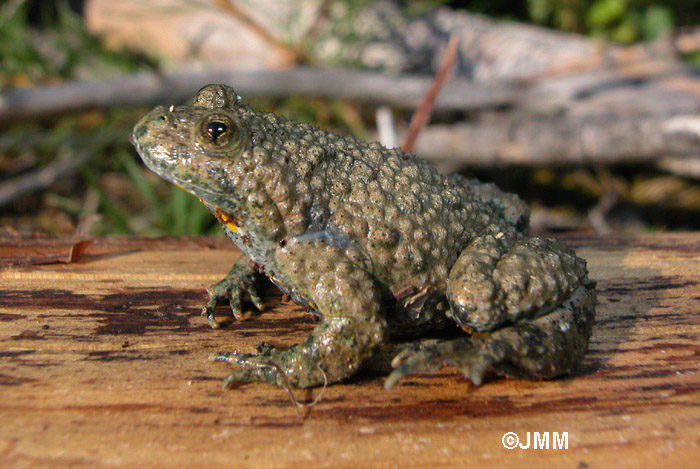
(226, 219)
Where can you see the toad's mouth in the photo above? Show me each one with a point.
(198, 189)
(202, 193)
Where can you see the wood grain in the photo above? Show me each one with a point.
(103, 362)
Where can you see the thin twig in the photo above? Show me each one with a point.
(323, 390)
(422, 115)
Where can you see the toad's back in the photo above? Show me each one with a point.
(409, 221)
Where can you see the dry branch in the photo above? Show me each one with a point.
(560, 140)
(653, 89)
(682, 166)
(148, 88)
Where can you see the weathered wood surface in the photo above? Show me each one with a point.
(103, 362)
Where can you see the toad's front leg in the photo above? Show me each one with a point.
(351, 329)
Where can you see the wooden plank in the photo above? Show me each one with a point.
(104, 362)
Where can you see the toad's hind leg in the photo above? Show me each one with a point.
(542, 348)
(497, 280)
(530, 295)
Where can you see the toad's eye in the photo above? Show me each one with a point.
(215, 130)
(219, 132)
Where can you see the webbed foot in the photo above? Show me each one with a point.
(470, 356)
(263, 367)
(231, 290)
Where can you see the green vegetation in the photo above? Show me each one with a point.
(624, 21)
(42, 41)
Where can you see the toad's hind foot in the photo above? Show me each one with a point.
(543, 348)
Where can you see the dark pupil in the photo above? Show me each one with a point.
(216, 130)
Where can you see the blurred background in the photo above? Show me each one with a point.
(588, 109)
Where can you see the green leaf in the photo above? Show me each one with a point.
(605, 13)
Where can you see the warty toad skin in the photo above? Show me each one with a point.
(377, 243)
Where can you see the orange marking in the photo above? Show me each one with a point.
(226, 219)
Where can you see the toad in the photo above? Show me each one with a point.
(377, 243)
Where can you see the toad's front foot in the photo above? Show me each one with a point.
(231, 290)
(264, 367)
